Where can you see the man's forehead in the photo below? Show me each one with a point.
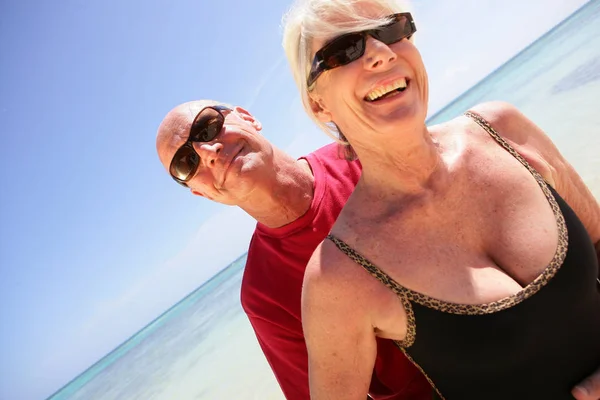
(175, 127)
(177, 124)
(185, 116)
(192, 108)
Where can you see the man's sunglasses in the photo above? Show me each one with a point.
(351, 46)
(206, 126)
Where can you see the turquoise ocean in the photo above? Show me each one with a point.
(204, 347)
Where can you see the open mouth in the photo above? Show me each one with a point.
(387, 91)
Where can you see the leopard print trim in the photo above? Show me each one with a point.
(403, 350)
(472, 309)
(387, 281)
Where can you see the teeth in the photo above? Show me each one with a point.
(382, 90)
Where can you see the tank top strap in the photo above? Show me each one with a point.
(368, 265)
(502, 142)
(538, 177)
(387, 280)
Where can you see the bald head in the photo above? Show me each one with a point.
(174, 128)
(238, 166)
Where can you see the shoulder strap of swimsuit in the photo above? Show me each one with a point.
(368, 266)
(388, 281)
(502, 142)
(563, 238)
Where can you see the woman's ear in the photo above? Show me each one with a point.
(318, 108)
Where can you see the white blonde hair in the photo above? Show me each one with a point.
(310, 19)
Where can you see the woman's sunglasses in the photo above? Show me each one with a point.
(206, 126)
(351, 46)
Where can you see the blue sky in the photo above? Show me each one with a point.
(95, 239)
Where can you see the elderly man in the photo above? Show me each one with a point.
(217, 151)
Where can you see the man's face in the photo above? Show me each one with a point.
(231, 165)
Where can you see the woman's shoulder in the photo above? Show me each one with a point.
(329, 262)
(333, 262)
(512, 125)
(505, 118)
(528, 139)
(330, 276)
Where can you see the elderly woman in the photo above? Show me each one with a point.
(470, 243)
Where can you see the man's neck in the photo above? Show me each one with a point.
(286, 197)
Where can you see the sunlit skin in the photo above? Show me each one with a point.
(239, 166)
(227, 162)
(401, 115)
(470, 207)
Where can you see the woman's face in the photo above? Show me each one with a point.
(381, 90)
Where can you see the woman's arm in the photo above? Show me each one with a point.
(338, 329)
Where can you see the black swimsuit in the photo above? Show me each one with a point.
(536, 344)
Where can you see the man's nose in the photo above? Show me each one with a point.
(209, 152)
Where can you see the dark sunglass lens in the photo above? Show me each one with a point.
(207, 125)
(344, 50)
(395, 31)
(184, 163)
